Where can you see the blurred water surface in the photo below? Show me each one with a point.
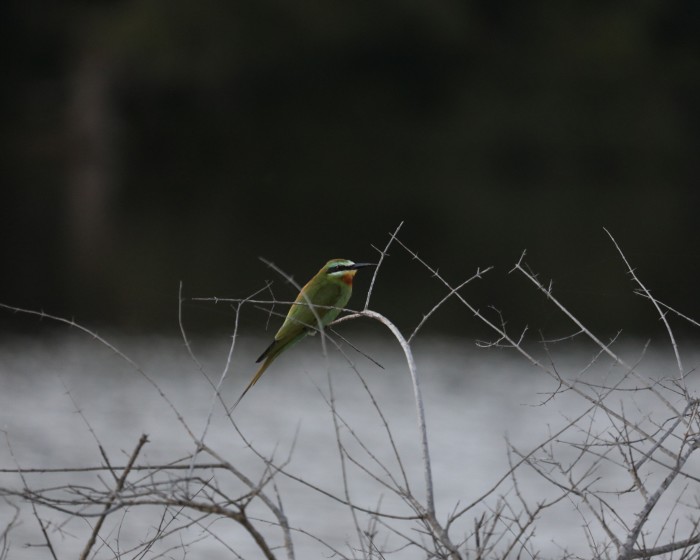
(476, 401)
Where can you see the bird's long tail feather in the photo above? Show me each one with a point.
(278, 346)
(253, 381)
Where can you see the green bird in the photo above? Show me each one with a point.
(320, 301)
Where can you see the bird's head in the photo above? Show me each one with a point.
(343, 269)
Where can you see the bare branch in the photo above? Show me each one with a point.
(112, 498)
(642, 517)
(662, 315)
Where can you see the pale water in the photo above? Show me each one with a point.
(474, 400)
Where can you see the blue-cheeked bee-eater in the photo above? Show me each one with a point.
(318, 304)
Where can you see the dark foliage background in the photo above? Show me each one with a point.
(148, 142)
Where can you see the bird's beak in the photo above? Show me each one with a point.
(362, 265)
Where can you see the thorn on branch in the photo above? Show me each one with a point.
(520, 260)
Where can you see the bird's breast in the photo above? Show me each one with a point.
(348, 276)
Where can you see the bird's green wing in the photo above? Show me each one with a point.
(325, 297)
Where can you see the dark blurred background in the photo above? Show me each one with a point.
(150, 142)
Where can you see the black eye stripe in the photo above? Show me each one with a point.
(339, 268)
